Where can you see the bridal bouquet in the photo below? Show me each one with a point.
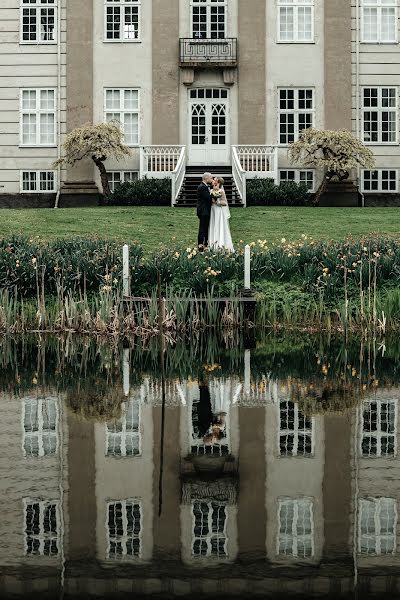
(216, 194)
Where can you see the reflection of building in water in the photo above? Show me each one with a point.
(377, 481)
(124, 482)
(294, 485)
(33, 480)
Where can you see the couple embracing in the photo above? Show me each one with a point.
(213, 213)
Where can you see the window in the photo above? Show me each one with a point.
(295, 431)
(296, 527)
(123, 529)
(122, 20)
(380, 180)
(298, 176)
(377, 526)
(38, 181)
(123, 436)
(40, 417)
(380, 115)
(41, 527)
(296, 112)
(38, 109)
(116, 177)
(379, 21)
(296, 20)
(123, 106)
(208, 19)
(379, 424)
(209, 529)
(38, 21)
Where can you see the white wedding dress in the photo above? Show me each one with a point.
(219, 234)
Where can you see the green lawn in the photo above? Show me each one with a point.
(152, 226)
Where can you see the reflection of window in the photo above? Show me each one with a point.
(296, 20)
(296, 527)
(295, 435)
(41, 534)
(123, 528)
(379, 21)
(209, 529)
(377, 526)
(123, 436)
(40, 417)
(202, 441)
(379, 428)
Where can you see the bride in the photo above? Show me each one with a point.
(219, 233)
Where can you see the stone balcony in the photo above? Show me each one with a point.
(205, 53)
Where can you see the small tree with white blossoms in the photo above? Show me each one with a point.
(337, 152)
(98, 142)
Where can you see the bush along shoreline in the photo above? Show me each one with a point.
(76, 284)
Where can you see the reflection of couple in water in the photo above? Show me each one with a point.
(212, 425)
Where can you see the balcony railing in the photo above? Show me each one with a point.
(208, 52)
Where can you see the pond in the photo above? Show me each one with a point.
(203, 468)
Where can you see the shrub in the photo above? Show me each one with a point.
(264, 192)
(143, 192)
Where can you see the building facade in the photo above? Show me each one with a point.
(195, 84)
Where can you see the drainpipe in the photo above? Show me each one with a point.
(59, 9)
(358, 130)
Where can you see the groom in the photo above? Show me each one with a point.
(204, 203)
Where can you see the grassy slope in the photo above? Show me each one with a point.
(152, 226)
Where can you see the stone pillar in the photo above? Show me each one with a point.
(252, 71)
(165, 72)
(82, 490)
(252, 517)
(337, 494)
(79, 187)
(167, 527)
(338, 72)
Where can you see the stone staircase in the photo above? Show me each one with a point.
(188, 194)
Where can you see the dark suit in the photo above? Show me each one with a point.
(204, 203)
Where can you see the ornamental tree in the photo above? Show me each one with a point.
(98, 142)
(337, 152)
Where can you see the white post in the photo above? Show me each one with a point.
(125, 271)
(247, 372)
(125, 372)
(247, 267)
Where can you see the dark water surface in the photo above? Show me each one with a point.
(216, 468)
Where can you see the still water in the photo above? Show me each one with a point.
(203, 469)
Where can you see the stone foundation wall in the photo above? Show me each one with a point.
(48, 200)
(381, 200)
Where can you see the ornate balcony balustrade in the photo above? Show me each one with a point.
(205, 52)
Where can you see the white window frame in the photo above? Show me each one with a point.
(296, 431)
(37, 112)
(124, 539)
(292, 535)
(376, 536)
(296, 112)
(122, 174)
(377, 4)
(42, 537)
(380, 189)
(38, 173)
(125, 406)
(123, 111)
(297, 175)
(121, 4)
(380, 109)
(38, 6)
(41, 431)
(296, 5)
(210, 536)
(208, 4)
(379, 433)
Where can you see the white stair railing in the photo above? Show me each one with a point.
(239, 175)
(258, 161)
(159, 162)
